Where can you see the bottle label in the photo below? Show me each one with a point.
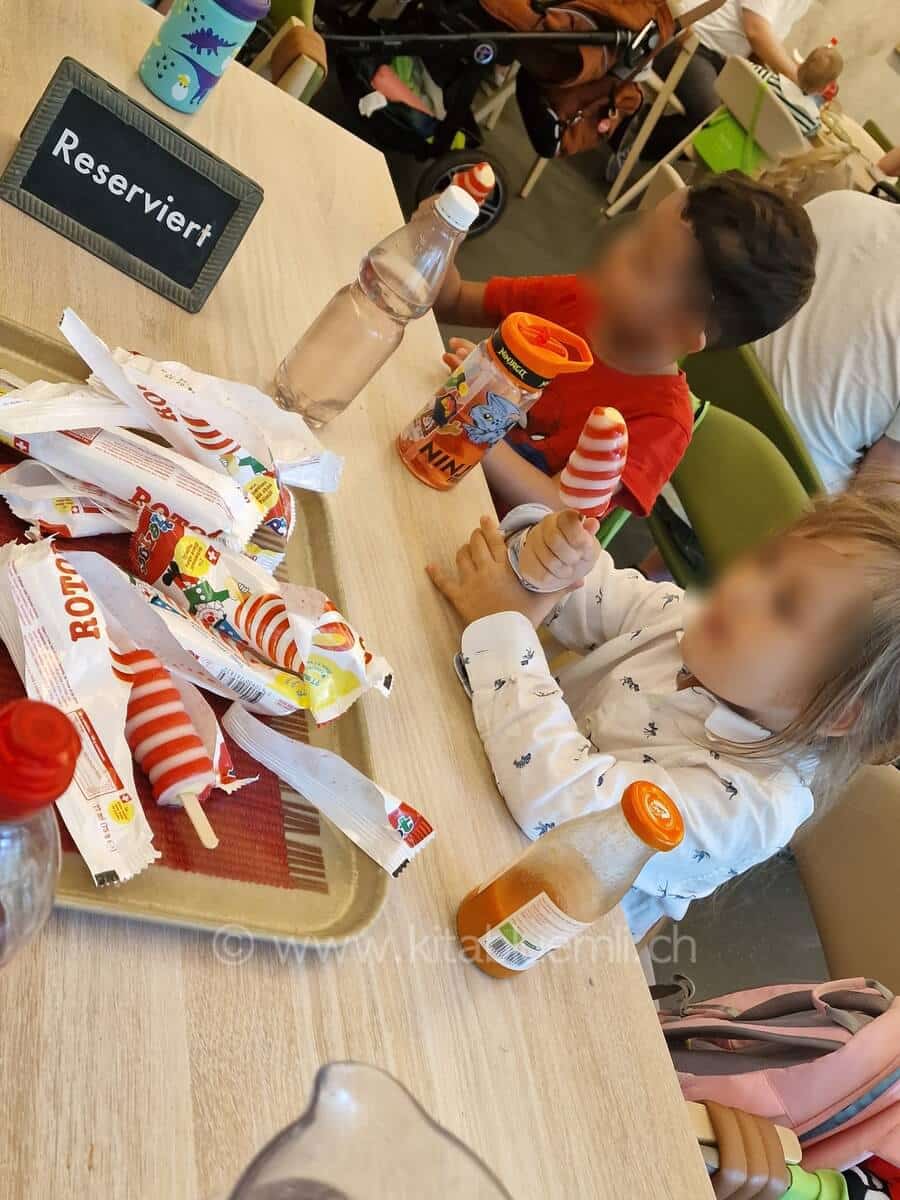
(451, 435)
(532, 381)
(529, 933)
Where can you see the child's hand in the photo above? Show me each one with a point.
(460, 349)
(448, 296)
(485, 583)
(559, 551)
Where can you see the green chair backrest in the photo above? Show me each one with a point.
(735, 381)
(281, 10)
(611, 524)
(874, 130)
(724, 145)
(736, 488)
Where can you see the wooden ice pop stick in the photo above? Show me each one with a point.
(190, 802)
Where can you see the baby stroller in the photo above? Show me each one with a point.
(417, 66)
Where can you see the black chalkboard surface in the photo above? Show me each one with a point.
(103, 171)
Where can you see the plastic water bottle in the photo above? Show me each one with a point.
(363, 324)
(39, 746)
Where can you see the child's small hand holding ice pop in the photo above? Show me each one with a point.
(559, 551)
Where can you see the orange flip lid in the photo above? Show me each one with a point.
(544, 347)
(653, 815)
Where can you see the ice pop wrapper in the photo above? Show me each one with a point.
(227, 426)
(219, 664)
(254, 420)
(593, 474)
(389, 831)
(294, 628)
(127, 466)
(239, 409)
(57, 638)
(53, 504)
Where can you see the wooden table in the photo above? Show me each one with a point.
(135, 1064)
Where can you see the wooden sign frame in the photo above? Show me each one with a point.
(74, 76)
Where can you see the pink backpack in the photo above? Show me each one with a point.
(822, 1059)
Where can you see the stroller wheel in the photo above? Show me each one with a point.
(439, 173)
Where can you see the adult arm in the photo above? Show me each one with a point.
(766, 44)
(882, 458)
(890, 164)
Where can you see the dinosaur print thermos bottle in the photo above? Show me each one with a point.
(488, 393)
(194, 45)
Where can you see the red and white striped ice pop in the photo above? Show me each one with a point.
(163, 741)
(262, 619)
(593, 474)
(479, 181)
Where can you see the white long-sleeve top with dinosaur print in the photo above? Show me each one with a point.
(564, 746)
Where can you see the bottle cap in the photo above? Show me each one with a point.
(534, 351)
(457, 207)
(39, 746)
(246, 10)
(653, 815)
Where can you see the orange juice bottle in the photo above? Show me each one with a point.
(486, 395)
(566, 881)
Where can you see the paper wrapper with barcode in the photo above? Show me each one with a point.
(389, 831)
(215, 663)
(323, 662)
(58, 640)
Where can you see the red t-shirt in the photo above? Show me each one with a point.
(657, 408)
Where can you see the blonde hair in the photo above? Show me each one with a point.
(819, 68)
(864, 684)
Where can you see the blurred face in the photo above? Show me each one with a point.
(777, 625)
(648, 282)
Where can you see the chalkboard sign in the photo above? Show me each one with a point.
(103, 171)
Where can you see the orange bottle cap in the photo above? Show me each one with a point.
(544, 347)
(654, 816)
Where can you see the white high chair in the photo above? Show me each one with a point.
(757, 109)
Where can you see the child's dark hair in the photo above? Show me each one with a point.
(759, 256)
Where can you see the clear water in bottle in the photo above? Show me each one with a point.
(39, 747)
(363, 324)
(29, 865)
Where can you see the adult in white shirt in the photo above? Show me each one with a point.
(836, 364)
(750, 28)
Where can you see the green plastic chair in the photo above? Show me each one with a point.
(611, 525)
(281, 10)
(874, 130)
(735, 381)
(736, 488)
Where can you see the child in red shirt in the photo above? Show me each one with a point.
(720, 264)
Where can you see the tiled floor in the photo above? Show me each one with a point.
(759, 929)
